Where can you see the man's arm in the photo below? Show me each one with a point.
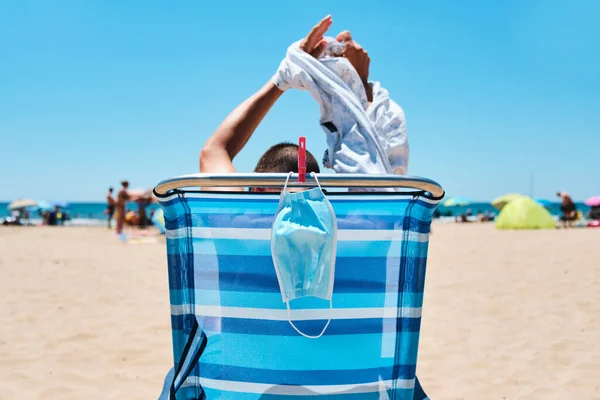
(359, 58)
(235, 131)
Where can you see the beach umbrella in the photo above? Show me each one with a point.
(457, 202)
(61, 204)
(524, 213)
(543, 202)
(501, 201)
(21, 203)
(158, 219)
(44, 205)
(593, 201)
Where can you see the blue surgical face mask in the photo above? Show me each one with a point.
(303, 245)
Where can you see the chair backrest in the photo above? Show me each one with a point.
(223, 283)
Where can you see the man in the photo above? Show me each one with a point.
(110, 205)
(235, 131)
(121, 203)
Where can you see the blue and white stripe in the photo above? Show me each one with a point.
(221, 275)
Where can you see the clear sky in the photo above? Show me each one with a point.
(494, 92)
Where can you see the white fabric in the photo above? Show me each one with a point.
(360, 140)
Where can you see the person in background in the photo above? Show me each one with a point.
(594, 213)
(120, 205)
(60, 216)
(53, 217)
(45, 217)
(15, 217)
(488, 216)
(480, 217)
(465, 217)
(110, 206)
(568, 209)
(143, 219)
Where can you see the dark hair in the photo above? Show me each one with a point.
(283, 157)
(110, 189)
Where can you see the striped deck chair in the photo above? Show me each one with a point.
(231, 337)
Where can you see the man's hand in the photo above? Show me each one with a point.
(359, 58)
(313, 43)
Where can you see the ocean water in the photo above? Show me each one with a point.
(93, 213)
(89, 211)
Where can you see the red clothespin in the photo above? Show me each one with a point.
(302, 159)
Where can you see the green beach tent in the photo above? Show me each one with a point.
(524, 213)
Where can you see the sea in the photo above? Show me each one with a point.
(86, 214)
(93, 213)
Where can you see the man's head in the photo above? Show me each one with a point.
(125, 184)
(283, 158)
(110, 190)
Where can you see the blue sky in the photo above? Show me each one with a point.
(92, 92)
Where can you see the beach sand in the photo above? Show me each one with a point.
(507, 315)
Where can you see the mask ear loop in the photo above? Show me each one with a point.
(287, 303)
(287, 180)
(316, 180)
(284, 191)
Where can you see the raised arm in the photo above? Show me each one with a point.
(235, 131)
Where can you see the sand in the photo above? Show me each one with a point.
(507, 315)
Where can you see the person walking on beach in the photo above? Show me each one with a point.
(122, 199)
(110, 205)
